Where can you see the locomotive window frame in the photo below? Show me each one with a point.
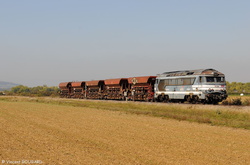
(187, 81)
(180, 81)
(220, 79)
(172, 82)
(175, 82)
(210, 79)
(161, 85)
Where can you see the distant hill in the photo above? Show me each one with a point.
(7, 85)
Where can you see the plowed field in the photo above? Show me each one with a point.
(53, 134)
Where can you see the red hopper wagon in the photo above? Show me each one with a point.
(142, 88)
(78, 89)
(65, 88)
(94, 89)
(115, 88)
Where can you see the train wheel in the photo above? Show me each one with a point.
(163, 98)
(195, 99)
(215, 102)
(166, 98)
(188, 98)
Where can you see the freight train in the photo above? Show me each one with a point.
(193, 86)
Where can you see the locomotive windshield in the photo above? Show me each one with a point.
(215, 79)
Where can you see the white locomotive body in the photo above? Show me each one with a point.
(203, 85)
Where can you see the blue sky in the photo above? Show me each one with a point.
(51, 41)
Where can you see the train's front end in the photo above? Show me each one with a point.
(213, 86)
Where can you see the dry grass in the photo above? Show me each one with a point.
(237, 100)
(57, 134)
(230, 116)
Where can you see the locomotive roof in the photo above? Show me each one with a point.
(191, 72)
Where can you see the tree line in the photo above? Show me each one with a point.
(44, 90)
(238, 87)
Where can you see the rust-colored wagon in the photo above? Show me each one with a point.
(116, 89)
(66, 89)
(94, 89)
(141, 88)
(78, 89)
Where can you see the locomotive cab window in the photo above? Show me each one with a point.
(210, 79)
(215, 79)
(220, 79)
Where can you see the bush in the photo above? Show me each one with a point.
(246, 102)
(225, 102)
(232, 101)
(236, 101)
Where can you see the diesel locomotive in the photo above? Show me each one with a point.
(206, 86)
